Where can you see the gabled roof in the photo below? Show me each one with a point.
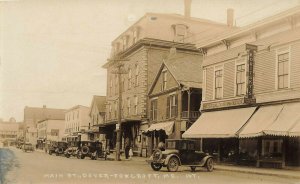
(99, 101)
(186, 70)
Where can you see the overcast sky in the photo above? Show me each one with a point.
(51, 52)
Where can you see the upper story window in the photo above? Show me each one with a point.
(125, 42)
(218, 84)
(136, 101)
(240, 79)
(128, 106)
(164, 82)
(109, 113)
(116, 109)
(123, 84)
(136, 75)
(116, 84)
(135, 35)
(172, 106)
(153, 110)
(129, 79)
(180, 32)
(283, 70)
(111, 87)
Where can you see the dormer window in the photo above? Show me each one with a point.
(180, 31)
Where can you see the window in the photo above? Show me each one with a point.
(240, 79)
(153, 110)
(180, 32)
(172, 109)
(129, 79)
(135, 35)
(128, 106)
(125, 42)
(116, 109)
(164, 82)
(123, 84)
(136, 105)
(218, 84)
(110, 87)
(283, 70)
(136, 75)
(272, 147)
(116, 84)
(109, 113)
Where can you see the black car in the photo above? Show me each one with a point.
(51, 147)
(180, 152)
(92, 149)
(73, 147)
(61, 147)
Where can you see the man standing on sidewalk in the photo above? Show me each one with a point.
(127, 147)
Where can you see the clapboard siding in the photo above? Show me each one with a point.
(264, 69)
(209, 83)
(295, 65)
(228, 78)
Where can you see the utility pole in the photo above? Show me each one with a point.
(119, 72)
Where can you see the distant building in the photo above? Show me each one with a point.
(50, 130)
(77, 122)
(32, 115)
(97, 117)
(9, 131)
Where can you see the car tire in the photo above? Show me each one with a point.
(156, 167)
(173, 164)
(193, 168)
(209, 165)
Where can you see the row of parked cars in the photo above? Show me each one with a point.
(79, 149)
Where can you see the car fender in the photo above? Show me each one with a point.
(203, 161)
(170, 156)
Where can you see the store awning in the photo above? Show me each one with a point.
(166, 126)
(262, 118)
(295, 131)
(219, 124)
(276, 120)
(286, 120)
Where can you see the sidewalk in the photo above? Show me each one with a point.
(287, 173)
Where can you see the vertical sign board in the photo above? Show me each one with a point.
(250, 52)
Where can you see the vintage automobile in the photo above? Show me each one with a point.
(92, 149)
(61, 147)
(73, 147)
(180, 152)
(51, 147)
(27, 147)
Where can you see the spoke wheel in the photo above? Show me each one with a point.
(209, 164)
(156, 167)
(173, 164)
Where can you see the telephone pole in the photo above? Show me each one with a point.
(119, 72)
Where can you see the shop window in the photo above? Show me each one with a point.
(272, 148)
(283, 70)
(240, 80)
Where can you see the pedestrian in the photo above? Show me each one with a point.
(130, 153)
(127, 147)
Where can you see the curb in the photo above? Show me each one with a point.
(258, 173)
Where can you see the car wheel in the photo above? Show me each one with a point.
(209, 164)
(193, 168)
(173, 164)
(156, 167)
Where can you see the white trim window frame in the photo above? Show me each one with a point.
(153, 108)
(164, 80)
(129, 79)
(218, 82)
(242, 80)
(137, 75)
(283, 68)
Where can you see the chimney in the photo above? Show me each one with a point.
(230, 17)
(187, 8)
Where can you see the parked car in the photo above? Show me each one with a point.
(28, 147)
(91, 149)
(72, 149)
(180, 152)
(61, 147)
(51, 147)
